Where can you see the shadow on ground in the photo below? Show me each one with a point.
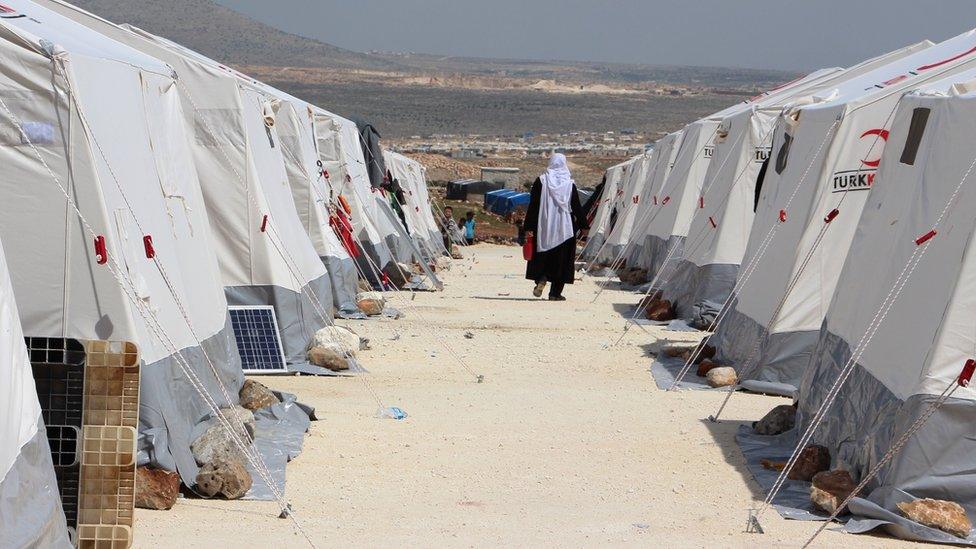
(723, 433)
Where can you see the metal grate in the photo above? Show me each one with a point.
(258, 339)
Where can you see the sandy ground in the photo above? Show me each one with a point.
(567, 443)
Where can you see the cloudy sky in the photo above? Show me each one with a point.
(779, 34)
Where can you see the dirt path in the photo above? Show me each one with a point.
(567, 443)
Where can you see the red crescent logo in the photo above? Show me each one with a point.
(881, 133)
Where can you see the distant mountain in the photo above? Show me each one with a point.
(233, 38)
(230, 37)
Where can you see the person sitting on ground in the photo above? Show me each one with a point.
(553, 219)
(469, 228)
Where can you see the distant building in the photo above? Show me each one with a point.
(511, 178)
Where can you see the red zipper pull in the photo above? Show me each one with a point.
(832, 215)
(782, 216)
(967, 373)
(101, 251)
(148, 244)
(264, 224)
(701, 202)
(925, 237)
(666, 200)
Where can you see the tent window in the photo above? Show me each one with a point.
(920, 118)
(38, 123)
(784, 152)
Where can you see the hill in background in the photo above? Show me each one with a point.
(431, 96)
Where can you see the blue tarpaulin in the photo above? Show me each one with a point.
(503, 201)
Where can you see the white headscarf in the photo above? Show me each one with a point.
(555, 218)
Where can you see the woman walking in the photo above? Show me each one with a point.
(554, 218)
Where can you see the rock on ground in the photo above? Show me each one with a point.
(706, 366)
(225, 477)
(398, 273)
(811, 461)
(779, 420)
(947, 516)
(831, 488)
(675, 351)
(217, 442)
(340, 339)
(660, 311)
(255, 396)
(328, 359)
(723, 376)
(632, 276)
(156, 489)
(371, 303)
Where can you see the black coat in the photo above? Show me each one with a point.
(557, 264)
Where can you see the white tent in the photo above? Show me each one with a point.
(138, 263)
(628, 206)
(606, 215)
(30, 505)
(296, 129)
(345, 173)
(294, 123)
(265, 255)
(925, 294)
(825, 158)
(706, 272)
(417, 208)
(665, 151)
(679, 195)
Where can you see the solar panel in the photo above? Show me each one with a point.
(258, 339)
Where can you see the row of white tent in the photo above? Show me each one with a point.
(145, 189)
(824, 230)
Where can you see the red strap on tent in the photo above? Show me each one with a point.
(655, 200)
(782, 216)
(712, 221)
(636, 200)
(832, 215)
(925, 237)
(386, 279)
(343, 229)
(666, 200)
(147, 243)
(701, 202)
(101, 251)
(417, 208)
(325, 174)
(967, 373)
(264, 224)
